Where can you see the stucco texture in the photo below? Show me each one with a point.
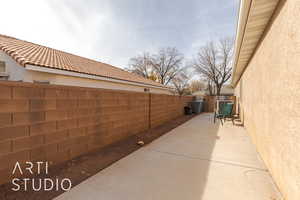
(269, 98)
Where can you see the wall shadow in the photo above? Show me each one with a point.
(190, 147)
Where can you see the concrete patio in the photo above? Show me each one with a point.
(197, 160)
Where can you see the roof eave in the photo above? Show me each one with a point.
(240, 31)
(248, 38)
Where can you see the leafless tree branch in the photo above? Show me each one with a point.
(164, 65)
(141, 65)
(181, 83)
(213, 62)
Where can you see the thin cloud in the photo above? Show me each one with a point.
(113, 31)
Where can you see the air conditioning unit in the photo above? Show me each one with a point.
(4, 76)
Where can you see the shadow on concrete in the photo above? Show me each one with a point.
(190, 147)
(198, 160)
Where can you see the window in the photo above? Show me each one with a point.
(3, 75)
(2, 67)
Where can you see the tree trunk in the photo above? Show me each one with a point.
(218, 89)
(210, 88)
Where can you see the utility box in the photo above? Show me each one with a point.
(187, 110)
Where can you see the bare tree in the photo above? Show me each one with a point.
(141, 65)
(167, 63)
(181, 83)
(197, 85)
(162, 67)
(210, 87)
(213, 62)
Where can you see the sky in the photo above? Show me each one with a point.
(113, 31)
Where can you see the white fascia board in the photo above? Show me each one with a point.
(250, 9)
(244, 10)
(88, 76)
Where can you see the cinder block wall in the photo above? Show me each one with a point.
(269, 98)
(58, 123)
(165, 108)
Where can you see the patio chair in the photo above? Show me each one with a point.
(224, 112)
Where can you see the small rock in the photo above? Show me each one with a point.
(141, 143)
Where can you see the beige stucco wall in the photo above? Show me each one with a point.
(19, 73)
(269, 96)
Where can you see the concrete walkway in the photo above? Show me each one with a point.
(197, 160)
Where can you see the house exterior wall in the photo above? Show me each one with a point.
(269, 98)
(19, 73)
(58, 79)
(15, 71)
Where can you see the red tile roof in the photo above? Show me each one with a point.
(24, 52)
